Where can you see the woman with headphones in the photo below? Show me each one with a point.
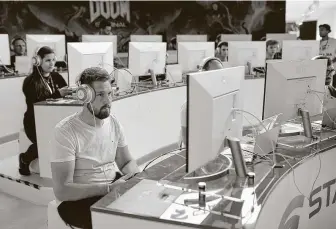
(208, 64)
(43, 83)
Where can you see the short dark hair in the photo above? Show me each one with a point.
(271, 42)
(104, 23)
(15, 39)
(92, 74)
(223, 43)
(211, 60)
(326, 26)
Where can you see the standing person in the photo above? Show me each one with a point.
(40, 85)
(327, 44)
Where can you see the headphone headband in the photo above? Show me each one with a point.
(221, 42)
(206, 60)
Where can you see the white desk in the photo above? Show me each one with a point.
(151, 121)
(13, 105)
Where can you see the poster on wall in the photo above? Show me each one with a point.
(166, 18)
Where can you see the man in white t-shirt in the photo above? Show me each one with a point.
(327, 44)
(207, 65)
(88, 149)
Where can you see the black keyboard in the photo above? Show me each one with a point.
(159, 77)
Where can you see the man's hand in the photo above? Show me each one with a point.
(128, 176)
(114, 185)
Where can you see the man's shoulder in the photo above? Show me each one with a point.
(66, 123)
(114, 119)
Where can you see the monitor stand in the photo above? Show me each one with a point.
(220, 166)
(288, 130)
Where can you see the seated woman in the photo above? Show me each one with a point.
(329, 75)
(40, 85)
(208, 64)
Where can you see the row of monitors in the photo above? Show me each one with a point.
(152, 55)
(145, 38)
(219, 94)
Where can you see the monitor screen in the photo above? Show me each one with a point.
(236, 37)
(145, 56)
(191, 38)
(281, 36)
(300, 50)
(102, 38)
(146, 38)
(212, 96)
(302, 85)
(83, 55)
(56, 42)
(241, 52)
(191, 54)
(5, 53)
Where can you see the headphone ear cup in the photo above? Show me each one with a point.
(85, 93)
(36, 60)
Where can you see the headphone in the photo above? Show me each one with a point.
(14, 40)
(219, 44)
(36, 59)
(207, 60)
(84, 92)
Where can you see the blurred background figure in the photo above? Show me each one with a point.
(222, 51)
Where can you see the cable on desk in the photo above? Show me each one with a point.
(170, 152)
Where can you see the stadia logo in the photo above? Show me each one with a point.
(320, 199)
(292, 222)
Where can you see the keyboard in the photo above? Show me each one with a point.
(247, 152)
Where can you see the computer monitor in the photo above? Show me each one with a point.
(300, 50)
(83, 55)
(236, 37)
(5, 52)
(143, 56)
(102, 38)
(56, 42)
(190, 54)
(146, 38)
(290, 85)
(191, 38)
(281, 36)
(211, 97)
(241, 52)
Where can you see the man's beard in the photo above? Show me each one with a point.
(103, 113)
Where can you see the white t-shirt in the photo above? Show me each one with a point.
(328, 48)
(93, 148)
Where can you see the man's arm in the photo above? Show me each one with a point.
(63, 167)
(125, 161)
(66, 190)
